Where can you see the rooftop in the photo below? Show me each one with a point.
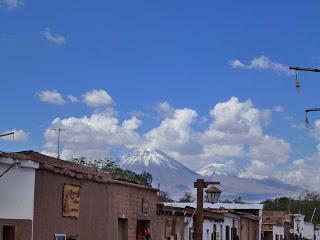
(67, 168)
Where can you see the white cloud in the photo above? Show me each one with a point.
(234, 122)
(174, 133)
(164, 109)
(72, 99)
(11, 4)
(270, 149)
(262, 63)
(19, 136)
(54, 38)
(278, 108)
(266, 116)
(316, 130)
(92, 136)
(51, 96)
(235, 131)
(96, 98)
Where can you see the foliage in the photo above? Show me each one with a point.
(238, 200)
(187, 197)
(109, 166)
(304, 204)
(164, 197)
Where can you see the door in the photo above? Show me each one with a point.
(122, 229)
(8, 232)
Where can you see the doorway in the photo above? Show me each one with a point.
(122, 229)
(143, 230)
(8, 232)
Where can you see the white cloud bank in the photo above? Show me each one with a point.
(54, 38)
(235, 131)
(262, 63)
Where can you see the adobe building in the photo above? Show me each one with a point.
(45, 198)
(222, 221)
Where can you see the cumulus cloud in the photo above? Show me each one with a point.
(51, 96)
(270, 149)
(92, 136)
(262, 63)
(97, 98)
(19, 136)
(164, 109)
(54, 38)
(11, 4)
(235, 130)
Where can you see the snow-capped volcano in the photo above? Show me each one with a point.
(176, 179)
(173, 176)
(150, 157)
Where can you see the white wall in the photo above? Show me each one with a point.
(308, 231)
(207, 229)
(17, 190)
(278, 230)
(317, 233)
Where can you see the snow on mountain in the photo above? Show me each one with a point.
(175, 178)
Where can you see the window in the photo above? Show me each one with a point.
(59, 236)
(8, 232)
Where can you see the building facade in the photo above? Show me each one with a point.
(42, 196)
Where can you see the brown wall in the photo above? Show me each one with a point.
(101, 205)
(249, 229)
(23, 228)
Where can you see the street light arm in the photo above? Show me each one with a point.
(6, 134)
(305, 69)
(312, 110)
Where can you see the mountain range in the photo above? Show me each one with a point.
(175, 178)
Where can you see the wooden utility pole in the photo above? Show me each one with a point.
(200, 185)
(59, 131)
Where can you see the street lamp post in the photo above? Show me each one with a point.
(306, 120)
(213, 195)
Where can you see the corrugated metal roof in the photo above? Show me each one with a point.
(233, 206)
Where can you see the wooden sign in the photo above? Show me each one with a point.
(71, 201)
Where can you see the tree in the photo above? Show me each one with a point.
(109, 166)
(164, 197)
(305, 204)
(238, 200)
(187, 197)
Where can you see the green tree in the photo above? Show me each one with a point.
(164, 197)
(187, 197)
(109, 166)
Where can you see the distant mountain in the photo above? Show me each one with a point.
(175, 178)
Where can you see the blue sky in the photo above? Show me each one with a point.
(147, 53)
